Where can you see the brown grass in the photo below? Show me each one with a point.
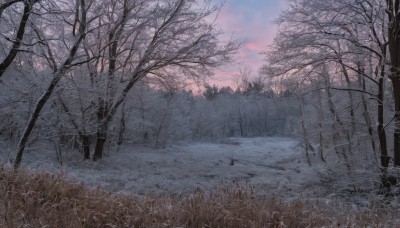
(45, 200)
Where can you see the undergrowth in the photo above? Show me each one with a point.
(46, 200)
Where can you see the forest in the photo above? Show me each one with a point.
(88, 84)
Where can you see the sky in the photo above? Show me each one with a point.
(251, 23)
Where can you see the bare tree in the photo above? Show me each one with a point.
(58, 73)
(164, 40)
(347, 37)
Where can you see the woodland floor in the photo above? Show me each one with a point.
(271, 165)
(270, 173)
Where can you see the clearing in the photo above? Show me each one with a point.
(269, 164)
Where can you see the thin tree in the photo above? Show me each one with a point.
(57, 75)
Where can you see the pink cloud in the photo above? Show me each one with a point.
(242, 54)
(250, 23)
(253, 46)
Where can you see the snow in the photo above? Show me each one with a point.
(272, 165)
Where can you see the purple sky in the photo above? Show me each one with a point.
(250, 22)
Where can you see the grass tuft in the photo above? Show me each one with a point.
(46, 200)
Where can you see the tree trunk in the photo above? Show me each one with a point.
(241, 124)
(121, 130)
(121, 126)
(396, 92)
(321, 119)
(86, 146)
(393, 11)
(366, 114)
(368, 121)
(103, 120)
(307, 144)
(381, 129)
(350, 92)
(101, 139)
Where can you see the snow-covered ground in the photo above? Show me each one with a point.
(272, 165)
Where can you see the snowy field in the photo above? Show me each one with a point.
(273, 165)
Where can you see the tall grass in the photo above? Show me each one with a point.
(45, 200)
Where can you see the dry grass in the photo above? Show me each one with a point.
(45, 200)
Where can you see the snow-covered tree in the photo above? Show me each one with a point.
(92, 53)
(168, 41)
(337, 49)
(59, 69)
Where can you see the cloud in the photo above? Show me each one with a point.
(251, 23)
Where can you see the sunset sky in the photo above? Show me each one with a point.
(251, 23)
